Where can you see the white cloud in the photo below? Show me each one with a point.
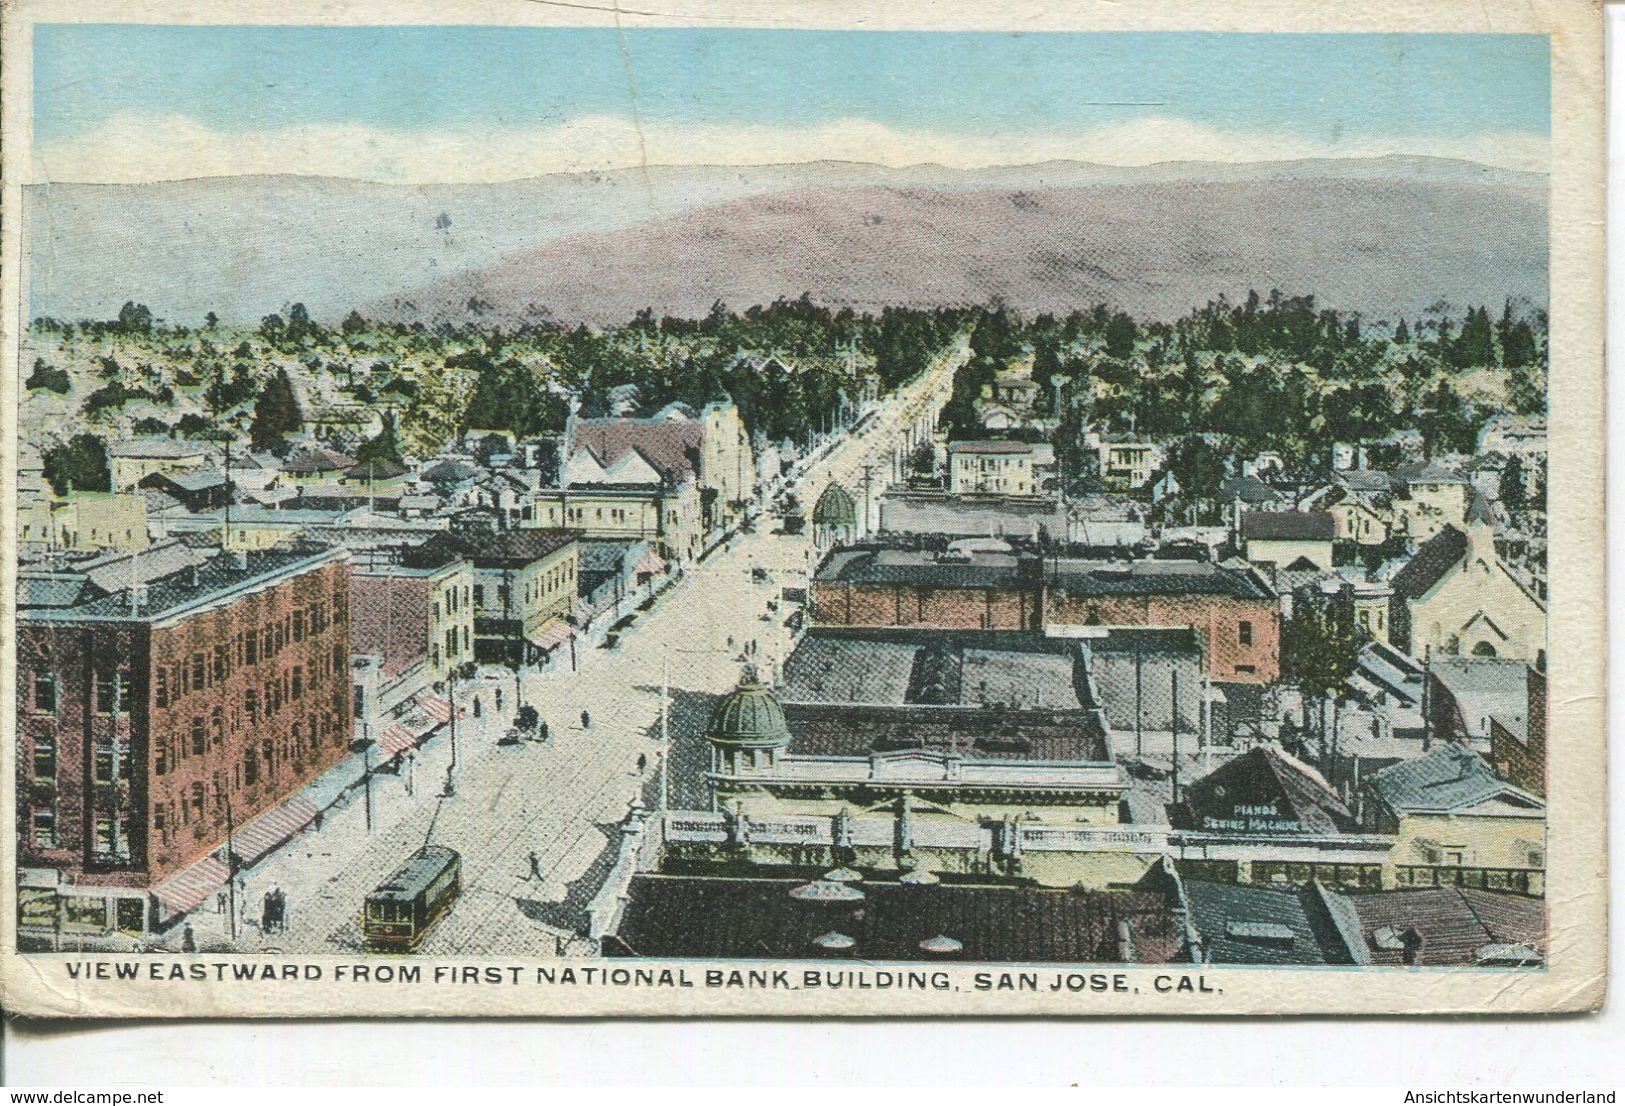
(132, 148)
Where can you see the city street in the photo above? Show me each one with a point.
(554, 806)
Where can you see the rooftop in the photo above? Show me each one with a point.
(1450, 778)
(973, 733)
(1245, 924)
(490, 549)
(990, 447)
(1288, 526)
(1454, 924)
(757, 919)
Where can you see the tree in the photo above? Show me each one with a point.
(134, 318)
(1120, 335)
(1320, 646)
(276, 413)
(210, 321)
(49, 378)
(1402, 334)
(382, 447)
(80, 464)
(1513, 493)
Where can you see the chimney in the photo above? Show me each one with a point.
(194, 576)
(239, 560)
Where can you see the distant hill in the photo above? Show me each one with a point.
(1378, 236)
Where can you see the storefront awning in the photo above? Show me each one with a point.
(272, 828)
(436, 708)
(552, 635)
(395, 740)
(651, 565)
(187, 890)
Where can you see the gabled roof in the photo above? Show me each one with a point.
(1245, 924)
(1429, 472)
(1454, 923)
(317, 459)
(1431, 562)
(670, 446)
(1288, 526)
(1450, 778)
(158, 449)
(1249, 489)
(990, 447)
(450, 471)
(1300, 793)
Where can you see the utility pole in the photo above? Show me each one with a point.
(1175, 724)
(665, 728)
(366, 770)
(231, 869)
(1139, 704)
(868, 480)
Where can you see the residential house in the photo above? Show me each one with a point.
(1127, 462)
(1289, 539)
(1428, 496)
(995, 467)
(196, 489)
(130, 462)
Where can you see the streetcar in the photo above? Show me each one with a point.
(401, 911)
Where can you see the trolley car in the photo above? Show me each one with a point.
(402, 910)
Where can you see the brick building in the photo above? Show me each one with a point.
(1234, 611)
(156, 719)
(1519, 751)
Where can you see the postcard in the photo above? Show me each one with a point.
(741, 508)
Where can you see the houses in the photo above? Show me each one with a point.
(998, 467)
(1466, 696)
(132, 461)
(84, 522)
(1428, 495)
(200, 489)
(1127, 462)
(1289, 539)
(1514, 436)
(1519, 751)
(1455, 595)
(670, 516)
(157, 716)
(1457, 824)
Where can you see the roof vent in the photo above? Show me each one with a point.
(822, 890)
(843, 875)
(834, 942)
(941, 946)
(1262, 933)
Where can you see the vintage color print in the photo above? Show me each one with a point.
(744, 514)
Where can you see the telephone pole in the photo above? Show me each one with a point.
(868, 480)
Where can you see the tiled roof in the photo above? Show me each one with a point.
(1249, 489)
(1449, 777)
(1454, 923)
(671, 447)
(990, 447)
(677, 916)
(494, 549)
(1266, 775)
(975, 733)
(1288, 526)
(215, 579)
(1243, 924)
(1430, 563)
(317, 459)
(450, 471)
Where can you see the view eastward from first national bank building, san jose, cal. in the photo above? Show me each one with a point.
(642, 518)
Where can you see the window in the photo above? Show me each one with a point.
(479, 595)
(251, 705)
(198, 678)
(160, 821)
(219, 666)
(298, 682)
(1244, 632)
(299, 625)
(251, 767)
(360, 701)
(44, 828)
(251, 649)
(200, 738)
(45, 757)
(45, 693)
(104, 764)
(160, 756)
(160, 686)
(217, 726)
(104, 836)
(195, 801)
(106, 697)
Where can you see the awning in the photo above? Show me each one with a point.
(272, 828)
(187, 890)
(437, 708)
(551, 636)
(651, 565)
(395, 740)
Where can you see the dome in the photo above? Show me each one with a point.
(835, 507)
(750, 717)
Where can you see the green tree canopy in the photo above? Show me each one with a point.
(79, 464)
(276, 413)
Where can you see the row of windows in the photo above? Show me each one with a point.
(172, 682)
(190, 805)
(111, 692)
(456, 600)
(110, 835)
(259, 704)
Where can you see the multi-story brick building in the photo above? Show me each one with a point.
(1234, 612)
(416, 620)
(157, 719)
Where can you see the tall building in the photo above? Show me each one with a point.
(156, 718)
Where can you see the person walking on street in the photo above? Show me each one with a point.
(535, 866)
(643, 763)
(188, 940)
(586, 720)
(542, 732)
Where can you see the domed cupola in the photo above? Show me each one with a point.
(747, 729)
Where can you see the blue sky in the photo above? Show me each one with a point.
(235, 81)
(410, 78)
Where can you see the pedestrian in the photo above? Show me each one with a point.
(220, 903)
(586, 720)
(542, 731)
(535, 866)
(268, 911)
(643, 763)
(188, 940)
(476, 706)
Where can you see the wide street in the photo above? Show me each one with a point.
(560, 802)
